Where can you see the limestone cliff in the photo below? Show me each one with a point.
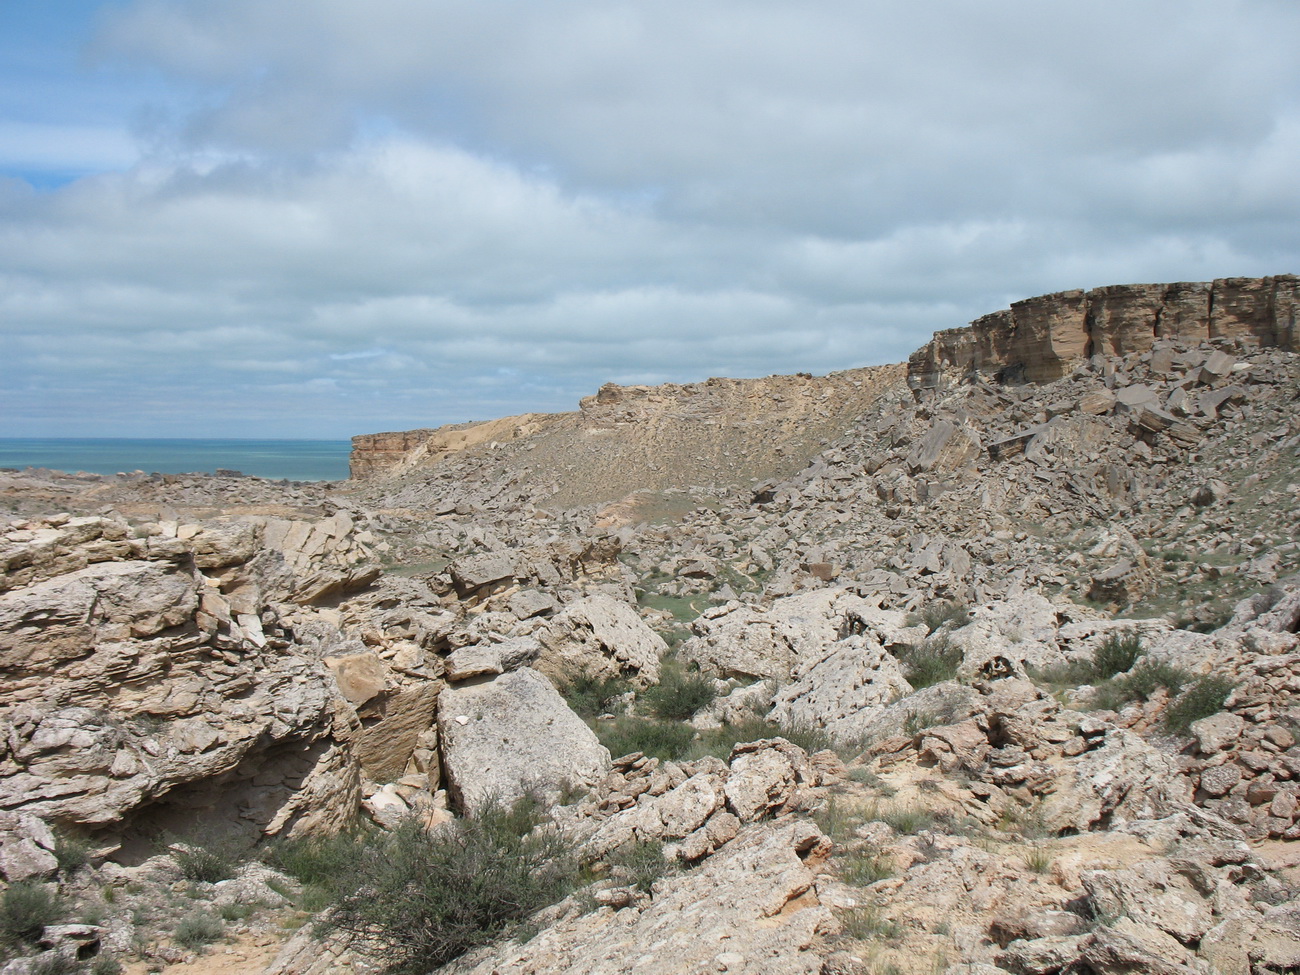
(1042, 339)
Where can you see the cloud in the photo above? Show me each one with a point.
(418, 212)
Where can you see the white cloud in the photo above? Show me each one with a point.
(414, 211)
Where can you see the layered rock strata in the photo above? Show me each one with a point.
(1044, 338)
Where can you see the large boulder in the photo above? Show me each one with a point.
(841, 689)
(600, 636)
(752, 643)
(505, 738)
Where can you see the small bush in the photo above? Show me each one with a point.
(198, 930)
(1139, 684)
(418, 899)
(105, 965)
(907, 820)
(25, 909)
(1038, 859)
(55, 963)
(640, 864)
(721, 740)
(836, 820)
(1116, 655)
(318, 860)
(206, 864)
(862, 867)
(932, 661)
(679, 693)
(942, 612)
(868, 923)
(71, 854)
(236, 912)
(1202, 699)
(590, 697)
(662, 740)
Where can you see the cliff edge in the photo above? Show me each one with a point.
(1043, 339)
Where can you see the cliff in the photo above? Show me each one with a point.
(1044, 338)
(391, 453)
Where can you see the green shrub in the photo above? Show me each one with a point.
(55, 963)
(868, 923)
(206, 864)
(663, 740)
(1038, 859)
(640, 864)
(71, 853)
(198, 930)
(862, 867)
(1202, 699)
(721, 740)
(590, 697)
(680, 693)
(1139, 684)
(942, 612)
(105, 965)
(318, 860)
(418, 899)
(1116, 655)
(25, 909)
(934, 660)
(907, 819)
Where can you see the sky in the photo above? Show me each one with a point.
(320, 218)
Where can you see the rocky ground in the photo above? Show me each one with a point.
(968, 677)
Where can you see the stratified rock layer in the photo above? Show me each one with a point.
(1042, 339)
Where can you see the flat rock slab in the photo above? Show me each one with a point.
(505, 737)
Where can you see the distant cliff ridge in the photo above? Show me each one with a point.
(1042, 339)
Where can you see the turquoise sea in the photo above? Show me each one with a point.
(295, 460)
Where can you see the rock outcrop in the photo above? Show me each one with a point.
(1044, 338)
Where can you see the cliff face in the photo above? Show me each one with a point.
(1042, 339)
(392, 453)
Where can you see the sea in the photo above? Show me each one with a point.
(294, 460)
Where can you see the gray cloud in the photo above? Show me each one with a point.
(350, 217)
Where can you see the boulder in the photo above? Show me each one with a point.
(767, 778)
(600, 636)
(842, 688)
(506, 737)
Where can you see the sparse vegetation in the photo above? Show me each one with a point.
(25, 908)
(907, 820)
(659, 739)
(868, 923)
(1139, 684)
(1116, 655)
(417, 899)
(71, 854)
(1038, 859)
(863, 866)
(198, 930)
(208, 863)
(590, 697)
(720, 741)
(933, 660)
(1204, 698)
(941, 613)
(680, 693)
(640, 864)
